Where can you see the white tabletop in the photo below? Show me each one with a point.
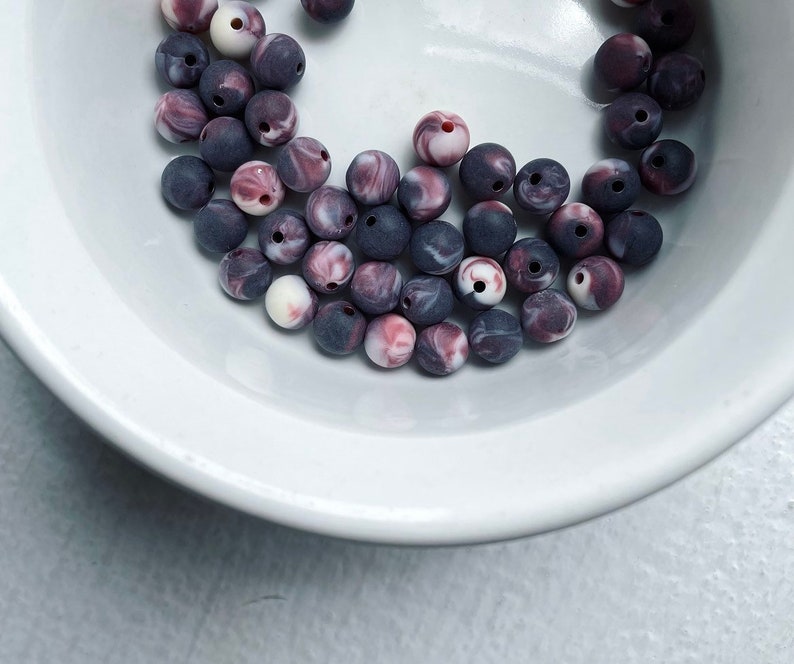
(102, 562)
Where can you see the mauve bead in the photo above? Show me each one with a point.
(256, 188)
(623, 61)
(531, 265)
(542, 186)
(226, 87)
(328, 11)
(633, 121)
(665, 24)
(278, 61)
(383, 233)
(548, 316)
(487, 171)
(331, 213)
(677, 81)
(328, 266)
(181, 58)
(389, 341)
(610, 186)
(304, 164)
(271, 118)
(225, 144)
(495, 335)
(442, 349)
(479, 282)
(284, 236)
(575, 230)
(668, 168)
(372, 177)
(179, 116)
(220, 226)
(375, 287)
(441, 138)
(235, 28)
(189, 15)
(596, 283)
(424, 193)
(245, 273)
(426, 300)
(339, 328)
(437, 247)
(489, 228)
(634, 237)
(290, 302)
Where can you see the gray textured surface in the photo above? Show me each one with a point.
(101, 562)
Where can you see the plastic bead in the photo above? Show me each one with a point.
(575, 230)
(442, 349)
(489, 228)
(623, 61)
(235, 28)
(383, 233)
(181, 59)
(271, 118)
(256, 188)
(278, 61)
(441, 138)
(542, 186)
(304, 164)
(548, 316)
(372, 177)
(328, 266)
(389, 341)
(496, 336)
(339, 328)
(424, 193)
(426, 300)
(375, 287)
(290, 302)
(596, 283)
(226, 87)
(633, 121)
(437, 247)
(245, 274)
(479, 282)
(668, 168)
(179, 116)
(220, 226)
(187, 183)
(634, 237)
(610, 186)
(189, 15)
(331, 214)
(487, 171)
(284, 236)
(531, 265)
(225, 144)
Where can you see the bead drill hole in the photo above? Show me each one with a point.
(211, 187)
(331, 285)
(641, 116)
(370, 220)
(278, 237)
(236, 23)
(264, 127)
(498, 185)
(657, 161)
(407, 302)
(479, 286)
(265, 199)
(618, 186)
(535, 179)
(579, 278)
(190, 60)
(535, 267)
(236, 253)
(668, 18)
(637, 213)
(324, 155)
(580, 231)
(218, 100)
(349, 220)
(448, 126)
(350, 311)
(299, 68)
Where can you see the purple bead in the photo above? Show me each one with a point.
(383, 233)
(426, 300)
(304, 164)
(256, 188)
(390, 341)
(278, 61)
(179, 116)
(424, 193)
(575, 230)
(542, 186)
(220, 226)
(181, 58)
(290, 302)
(245, 274)
(339, 328)
(623, 61)
(189, 15)
(235, 28)
(284, 236)
(271, 118)
(437, 247)
(487, 171)
(634, 237)
(442, 349)
(668, 168)
(665, 24)
(328, 266)
(496, 336)
(677, 81)
(376, 286)
(187, 183)
(610, 186)
(226, 87)
(479, 282)
(531, 265)
(225, 144)
(633, 121)
(548, 316)
(489, 228)
(372, 177)
(596, 283)
(441, 138)
(331, 213)
(328, 11)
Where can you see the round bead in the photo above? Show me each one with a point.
(496, 336)
(331, 213)
(437, 247)
(372, 177)
(256, 188)
(677, 81)
(634, 237)
(441, 138)
(479, 282)
(304, 164)
(271, 118)
(389, 341)
(548, 316)
(426, 300)
(424, 193)
(220, 226)
(284, 236)
(189, 16)
(575, 230)
(375, 287)
(226, 87)
(531, 265)
(628, 3)
(442, 349)
(542, 186)
(633, 121)
(668, 168)
(339, 328)
(328, 11)
(487, 171)
(596, 283)
(181, 58)
(245, 274)
(328, 266)
(187, 183)
(235, 28)
(623, 61)
(489, 228)
(383, 233)
(665, 24)
(225, 144)
(290, 302)
(179, 116)
(278, 61)
(610, 186)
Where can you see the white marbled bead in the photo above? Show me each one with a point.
(235, 28)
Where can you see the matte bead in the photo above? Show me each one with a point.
(179, 116)
(665, 24)
(271, 118)
(375, 287)
(181, 58)
(290, 303)
(668, 168)
(187, 183)
(225, 144)
(226, 87)
(339, 328)
(623, 61)
(575, 230)
(677, 81)
(531, 265)
(328, 266)
(304, 164)
(331, 214)
(372, 177)
(245, 273)
(220, 226)
(596, 283)
(426, 300)
(442, 349)
(278, 61)
(389, 341)
(235, 28)
(479, 282)
(328, 11)
(496, 336)
(633, 121)
(487, 171)
(489, 228)
(542, 186)
(634, 237)
(284, 236)
(189, 15)
(256, 188)
(610, 186)
(441, 138)
(437, 247)
(548, 316)
(424, 193)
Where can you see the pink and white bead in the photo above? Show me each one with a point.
(479, 282)
(256, 188)
(290, 302)
(442, 349)
(596, 283)
(179, 116)
(441, 138)
(189, 15)
(389, 341)
(328, 266)
(235, 28)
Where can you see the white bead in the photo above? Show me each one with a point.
(235, 28)
(290, 302)
(480, 282)
(256, 188)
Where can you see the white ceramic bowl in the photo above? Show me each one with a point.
(106, 297)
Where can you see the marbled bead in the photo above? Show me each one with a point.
(575, 230)
(278, 61)
(375, 287)
(187, 182)
(596, 283)
(284, 236)
(634, 237)
(531, 265)
(668, 168)
(677, 81)
(633, 121)
(181, 59)
(271, 118)
(235, 28)
(189, 15)
(426, 300)
(383, 233)
(424, 193)
(290, 302)
(479, 282)
(389, 341)
(245, 273)
(665, 24)
(487, 171)
(437, 247)
(220, 226)
(623, 61)
(304, 164)
(489, 228)
(328, 266)
(339, 328)
(256, 188)
(496, 336)
(179, 116)
(331, 214)
(442, 349)
(226, 87)
(372, 177)
(328, 11)
(542, 186)
(225, 144)
(441, 138)
(548, 316)
(610, 186)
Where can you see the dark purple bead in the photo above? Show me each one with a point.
(181, 59)
(304, 164)
(437, 247)
(339, 328)
(383, 233)
(424, 193)
(372, 177)
(187, 183)
(610, 186)
(668, 168)
(633, 121)
(496, 336)
(245, 273)
(575, 230)
(331, 213)
(489, 228)
(596, 283)
(328, 266)
(487, 171)
(226, 87)
(328, 11)
(677, 81)
(634, 237)
(442, 349)
(531, 265)
(220, 226)
(375, 288)
(271, 118)
(225, 144)
(426, 300)
(542, 186)
(284, 236)
(623, 61)
(548, 316)
(665, 24)
(278, 61)
(179, 116)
